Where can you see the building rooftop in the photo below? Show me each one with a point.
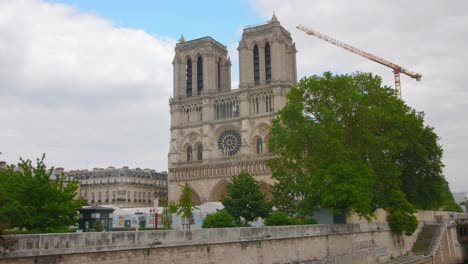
(112, 172)
(182, 43)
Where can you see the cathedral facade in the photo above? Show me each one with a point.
(217, 131)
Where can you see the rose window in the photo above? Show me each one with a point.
(229, 142)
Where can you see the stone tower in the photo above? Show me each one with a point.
(216, 131)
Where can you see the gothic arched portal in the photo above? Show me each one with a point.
(195, 197)
(266, 189)
(219, 191)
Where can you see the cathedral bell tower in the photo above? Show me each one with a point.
(267, 55)
(218, 132)
(201, 67)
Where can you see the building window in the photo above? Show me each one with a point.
(199, 75)
(226, 108)
(259, 146)
(189, 153)
(229, 142)
(267, 63)
(219, 75)
(268, 99)
(200, 152)
(256, 61)
(188, 77)
(256, 105)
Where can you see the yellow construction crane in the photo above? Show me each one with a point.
(397, 69)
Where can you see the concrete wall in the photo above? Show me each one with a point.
(449, 250)
(349, 243)
(380, 215)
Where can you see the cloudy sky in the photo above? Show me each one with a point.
(88, 82)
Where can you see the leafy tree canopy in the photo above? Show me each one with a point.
(32, 199)
(185, 205)
(245, 202)
(347, 142)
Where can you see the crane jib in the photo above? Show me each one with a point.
(396, 68)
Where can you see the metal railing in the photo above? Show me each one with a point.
(435, 242)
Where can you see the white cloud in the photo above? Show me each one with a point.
(90, 94)
(424, 36)
(79, 89)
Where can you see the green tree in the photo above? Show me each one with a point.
(36, 201)
(169, 208)
(245, 202)
(284, 197)
(422, 176)
(8, 212)
(219, 219)
(185, 205)
(448, 202)
(463, 204)
(347, 142)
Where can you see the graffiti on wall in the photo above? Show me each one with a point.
(368, 248)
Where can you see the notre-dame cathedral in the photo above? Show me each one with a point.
(217, 131)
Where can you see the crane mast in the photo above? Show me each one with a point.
(397, 69)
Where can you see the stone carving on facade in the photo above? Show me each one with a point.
(242, 45)
(244, 97)
(277, 91)
(192, 138)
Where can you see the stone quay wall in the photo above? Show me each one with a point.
(347, 243)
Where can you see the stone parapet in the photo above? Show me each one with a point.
(73, 243)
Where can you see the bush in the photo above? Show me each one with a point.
(218, 220)
(308, 221)
(279, 218)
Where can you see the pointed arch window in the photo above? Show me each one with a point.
(200, 152)
(267, 63)
(259, 146)
(189, 153)
(256, 105)
(188, 77)
(199, 75)
(256, 61)
(219, 75)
